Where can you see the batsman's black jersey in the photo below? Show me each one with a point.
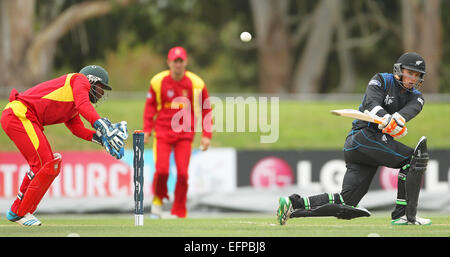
(366, 148)
(384, 96)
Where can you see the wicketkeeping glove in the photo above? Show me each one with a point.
(121, 136)
(115, 134)
(97, 139)
(101, 140)
(123, 131)
(395, 125)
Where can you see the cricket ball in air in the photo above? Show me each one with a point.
(245, 36)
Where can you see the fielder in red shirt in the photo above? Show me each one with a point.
(61, 100)
(176, 98)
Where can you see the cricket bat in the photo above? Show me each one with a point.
(366, 116)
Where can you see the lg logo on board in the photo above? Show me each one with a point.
(271, 172)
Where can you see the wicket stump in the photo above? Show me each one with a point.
(138, 166)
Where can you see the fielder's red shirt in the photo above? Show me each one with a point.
(173, 102)
(61, 100)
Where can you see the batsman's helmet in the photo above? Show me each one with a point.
(410, 61)
(96, 74)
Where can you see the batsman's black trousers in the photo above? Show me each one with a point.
(364, 151)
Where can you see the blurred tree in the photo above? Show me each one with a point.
(273, 43)
(329, 30)
(313, 60)
(294, 48)
(15, 37)
(26, 55)
(210, 35)
(422, 33)
(298, 46)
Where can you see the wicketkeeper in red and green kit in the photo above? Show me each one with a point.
(61, 100)
(174, 97)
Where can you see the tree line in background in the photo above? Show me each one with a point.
(299, 46)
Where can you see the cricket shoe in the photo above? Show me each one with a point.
(27, 220)
(156, 209)
(284, 210)
(404, 221)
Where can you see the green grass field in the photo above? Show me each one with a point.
(232, 225)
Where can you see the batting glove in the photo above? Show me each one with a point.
(395, 125)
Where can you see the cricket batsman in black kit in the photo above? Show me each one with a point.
(395, 98)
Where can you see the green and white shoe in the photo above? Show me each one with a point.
(403, 221)
(284, 210)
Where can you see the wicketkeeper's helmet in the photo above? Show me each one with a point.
(410, 61)
(96, 74)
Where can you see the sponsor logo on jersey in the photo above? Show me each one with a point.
(420, 100)
(375, 82)
(388, 100)
(170, 93)
(384, 138)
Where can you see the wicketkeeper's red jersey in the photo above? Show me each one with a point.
(61, 100)
(177, 105)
